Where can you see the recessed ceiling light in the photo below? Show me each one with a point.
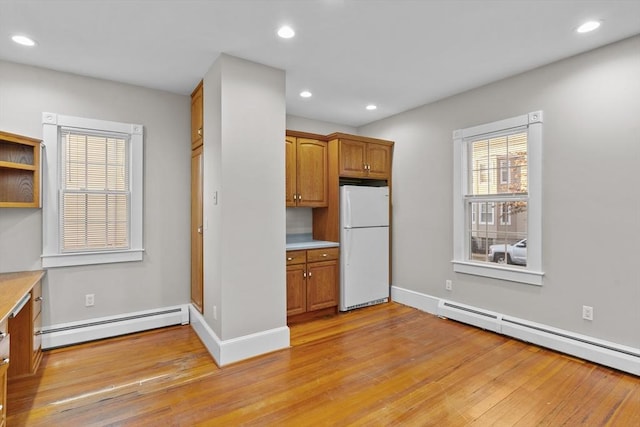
(286, 32)
(305, 94)
(23, 40)
(588, 26)
(371, 107)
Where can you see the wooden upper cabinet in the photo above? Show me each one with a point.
(378, 160)
(197, 121)
(360, 159)
(290, 171)
(306, 172)
(353, 158)
(19, 171)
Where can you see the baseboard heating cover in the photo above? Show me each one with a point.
(105, 327)
(606, 353)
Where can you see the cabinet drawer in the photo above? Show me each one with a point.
(4, 341)
(36, 296)
(296, 257)
(323, 254)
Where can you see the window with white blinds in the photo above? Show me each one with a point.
(497, 199)
(95, 195)
(498, 191)
(92, 203)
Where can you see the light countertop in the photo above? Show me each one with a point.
(305, 241)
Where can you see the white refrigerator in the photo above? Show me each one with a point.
(364, 246)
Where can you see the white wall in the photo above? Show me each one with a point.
(245, 240)
(316, 126)
(591, 201)
(162, 279)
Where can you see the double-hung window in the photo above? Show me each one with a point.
(93, 197)
(497, 199)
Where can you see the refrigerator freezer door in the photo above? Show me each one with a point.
(364, 206)
(364, 266)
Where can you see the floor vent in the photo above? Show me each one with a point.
(365, 304)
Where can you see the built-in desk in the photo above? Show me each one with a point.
(20, 323)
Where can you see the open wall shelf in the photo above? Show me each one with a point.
(19, 171)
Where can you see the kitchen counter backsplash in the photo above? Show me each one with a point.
(305, 241)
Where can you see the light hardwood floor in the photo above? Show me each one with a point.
(377, 366)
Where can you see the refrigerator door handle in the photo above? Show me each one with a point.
(348, 216)
(348, 246)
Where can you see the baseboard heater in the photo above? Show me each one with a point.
(606, 353)
(65, 334)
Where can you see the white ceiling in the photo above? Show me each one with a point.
(398, 54)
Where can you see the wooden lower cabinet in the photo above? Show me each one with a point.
(312, 281)
(26, 327)
(4, 364)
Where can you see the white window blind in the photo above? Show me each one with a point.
(95, 194)
(497, 185)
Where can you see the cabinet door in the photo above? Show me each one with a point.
(3, 393)
(352, 158)
(197, 120)
(311, 177)
(196, 229)
(290, 174)
(379, 161)
(322, 285)
(296, 285)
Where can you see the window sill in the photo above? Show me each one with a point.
(89, 258)
(501, 272)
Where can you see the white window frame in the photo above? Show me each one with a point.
(52, 254)
(488, 210)
(504, 169)
(531, 274)
(505, 217)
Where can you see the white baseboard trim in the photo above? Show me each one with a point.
(414, 299)
(606, 353)
(236, 349)
(64, 334)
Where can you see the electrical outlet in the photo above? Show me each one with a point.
(448, 285)
(587, 312)
(215, 312)
(89, 300)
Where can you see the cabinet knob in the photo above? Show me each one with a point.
(200, 230)
(299, 197)
(304, 274)
(200, 132)
(39, 299)
(289, 258)
(309, 274)
(5, 361)
(3, 336)
(324, 254)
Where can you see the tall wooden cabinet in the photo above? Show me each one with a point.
(197, 121)
(197, 146)
(19, 171)
(196, 229)
(306, 172)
